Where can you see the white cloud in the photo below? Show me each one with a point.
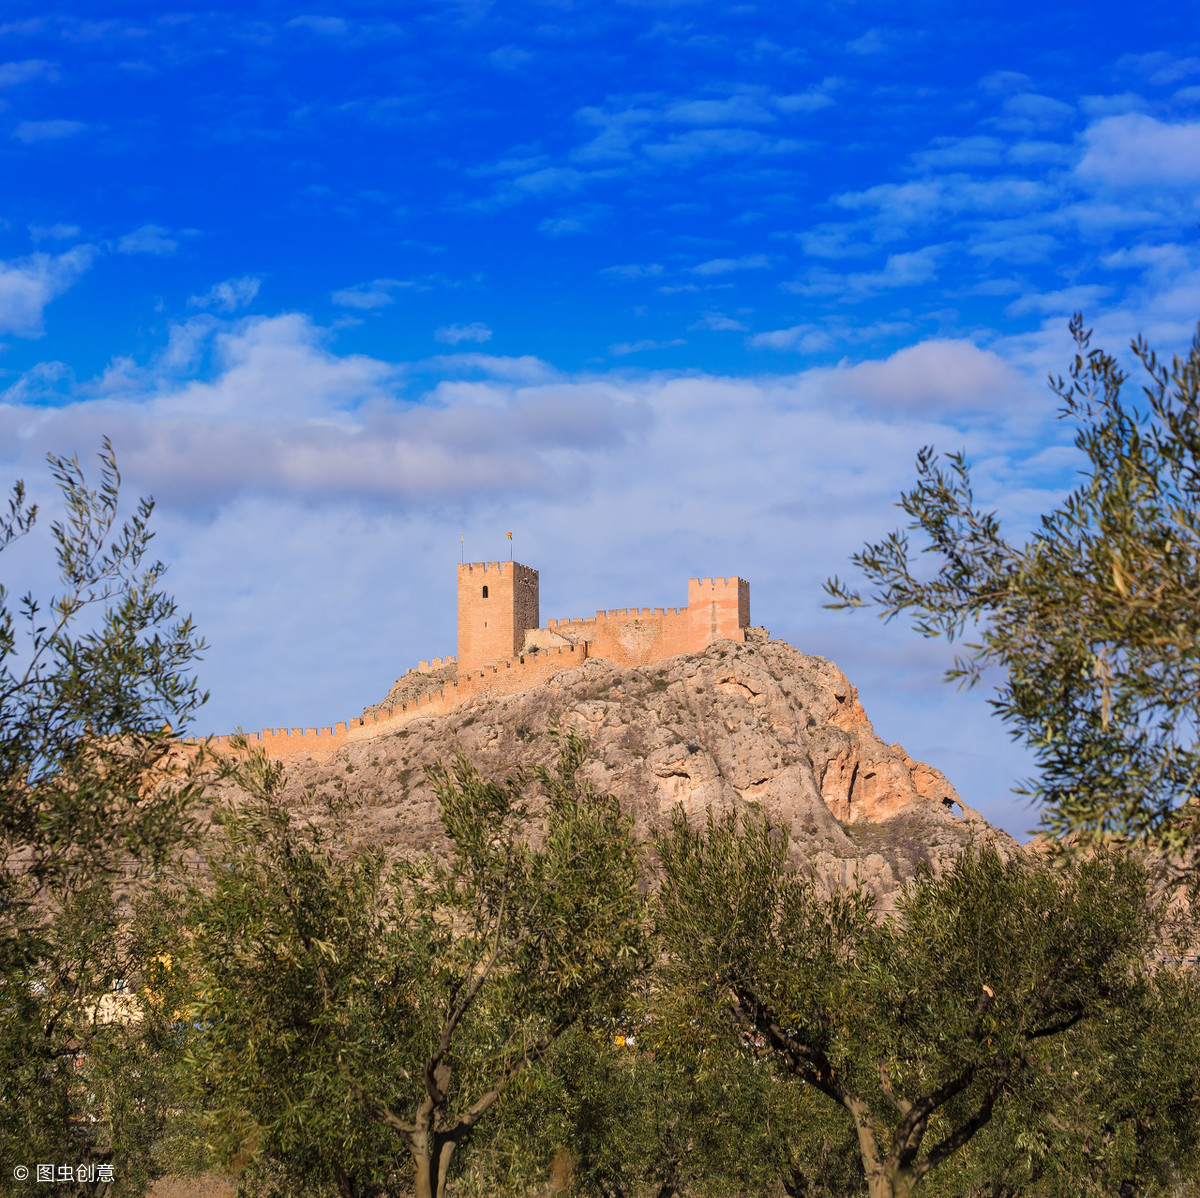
(284, 416)
(27, 285)
(825, 337)
(1062, 303)
(724, 266)
(874, 41)
(686, 149)
(899, 270)
(834, 241)
(718, 322)
(524, 368)
(624, 348)
(324, 25)
(578, 218)
(959, 152)
(1029, 111)
(633, 271)
(1002, 82)
(808, 101)
(926, 201)
(806, 338)
(293, 480)
(654, 133)
(12, 74)
(561, 226)
(729, 126)
(1112, 105)
(618, 133)
(998, 242)
(1161, 67)
(1135, 150)
(55, 130)
(454, 334)
(228, 296)
(1032, 152)
(733, 110)
(149, 239)
(934, 376)
(188, 341)
(519, 161)
(365, 296)
(548, 180)
(510, 58)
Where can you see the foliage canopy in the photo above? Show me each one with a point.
(92, 795)
(1095, 620)
(350, 1014)
(917, 1025)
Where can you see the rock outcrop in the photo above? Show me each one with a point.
(755, 723)
(414, 684)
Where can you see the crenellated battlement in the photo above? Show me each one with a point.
(497, 610)
(471, 567)
(506, 677)
(430, 667)
(612, 613)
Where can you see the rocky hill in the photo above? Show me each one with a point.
(758, 723)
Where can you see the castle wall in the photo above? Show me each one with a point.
(492, 628)
(630, 636)
(508, 677)
(492, 632)
(718, 609)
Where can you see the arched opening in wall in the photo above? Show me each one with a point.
(485, 592)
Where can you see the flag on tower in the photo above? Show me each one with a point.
(509, 535)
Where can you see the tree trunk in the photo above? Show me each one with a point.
(424, 1181)
(883, 1180)
(431, 1160)
(445, 1152)
(886, 1183)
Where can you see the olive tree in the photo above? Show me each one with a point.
(94, 682)
(1108, 1108)
(918, 1025)
(352, 1015)
(661, 1101)
(1095, 619)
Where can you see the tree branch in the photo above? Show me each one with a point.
(957, 1138)
(459, 1010)
(803, 1059)
(1054, 1028)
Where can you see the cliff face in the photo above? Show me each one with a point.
(759, 722)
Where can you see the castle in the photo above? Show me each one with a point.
(498, 619)
(503, 649)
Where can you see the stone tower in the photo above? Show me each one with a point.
(497, 603)
(718, 609)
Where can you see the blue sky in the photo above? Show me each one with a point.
(668, 289)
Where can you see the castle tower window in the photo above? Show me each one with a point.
(485, 592)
